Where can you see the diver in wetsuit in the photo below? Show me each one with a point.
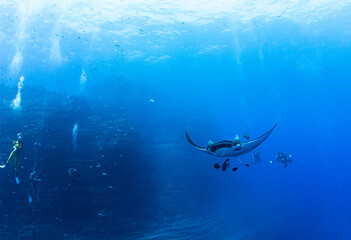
(16, 149)
(256, 157)
(33, 179)
(283, 158)
(72, 172)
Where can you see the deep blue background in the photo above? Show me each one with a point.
(215, 84)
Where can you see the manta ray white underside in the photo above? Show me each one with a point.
(228, 149)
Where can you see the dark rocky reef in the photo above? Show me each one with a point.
(111, 181)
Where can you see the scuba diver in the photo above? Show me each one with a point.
(283, 158)
(72, 172)
(33, 179)
(16, 149)
(256, 157)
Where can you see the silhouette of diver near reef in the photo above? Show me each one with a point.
(16, 149)
(72, 172)
(33, 178)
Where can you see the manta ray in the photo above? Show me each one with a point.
(231, 148)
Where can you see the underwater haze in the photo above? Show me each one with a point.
(108, 87)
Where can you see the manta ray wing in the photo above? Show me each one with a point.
(226, 148)
(192, 143)
(250, 145)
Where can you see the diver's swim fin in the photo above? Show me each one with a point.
(17, 180)
(3, 166)
(29, 199)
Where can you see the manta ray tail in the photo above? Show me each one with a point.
(192, 143)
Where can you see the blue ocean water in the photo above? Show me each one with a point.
(109, 87)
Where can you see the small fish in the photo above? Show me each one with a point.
(151, 100)
(225, 165)
(247, 165)
(216, 166)
(235, 169)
